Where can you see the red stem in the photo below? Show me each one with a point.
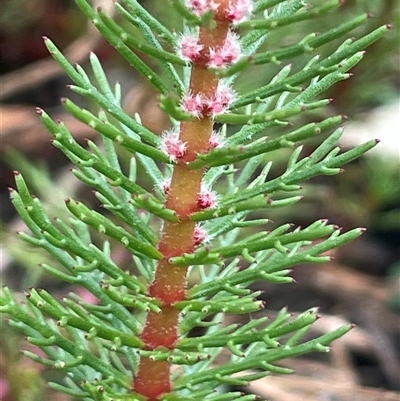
(170, 283)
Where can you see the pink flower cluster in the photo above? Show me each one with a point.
(199, 235)
(172, 145)
(194, 104)
(199, 105)
(207, 198)
(188, 48)
(223, 98)
(216, 140)
(227, 54)
(237, 11)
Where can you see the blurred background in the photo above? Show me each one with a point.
(361, 285)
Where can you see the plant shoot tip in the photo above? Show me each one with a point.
(184, 166)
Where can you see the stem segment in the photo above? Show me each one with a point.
(170, 283)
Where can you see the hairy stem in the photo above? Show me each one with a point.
(169, 285)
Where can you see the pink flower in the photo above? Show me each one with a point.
(172, 145)
(239, 10)
(216, 140)
(188, 47)
(227, 54)
(166, 185)
(193, 104)
(198, 105)
(223, 98)
(207, 198)
(200, 7)
(199, 235)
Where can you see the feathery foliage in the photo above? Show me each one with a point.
(208, 175)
